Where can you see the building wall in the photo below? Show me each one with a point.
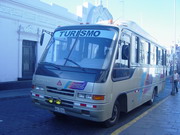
(22, 20)
(8, 50)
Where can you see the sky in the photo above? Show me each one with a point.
(157, 17)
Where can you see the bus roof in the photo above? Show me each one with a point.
(122, 24)
(133, 27)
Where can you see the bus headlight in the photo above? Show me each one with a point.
(88, 96)
(37, 87)
(81, 95)
(91, 97)
(85, 96)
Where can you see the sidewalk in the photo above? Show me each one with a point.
(15, 85)
(15, 93)
(15, 89)
(161, 119)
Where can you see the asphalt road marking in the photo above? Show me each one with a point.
(119, 130)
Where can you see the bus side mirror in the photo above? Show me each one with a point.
(125, 52)
(42, 39)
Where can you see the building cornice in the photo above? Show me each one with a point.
(42, 11)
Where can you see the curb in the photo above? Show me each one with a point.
(14, 97)
(16, 93)
(15, 85)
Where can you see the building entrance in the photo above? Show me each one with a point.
(28, 59)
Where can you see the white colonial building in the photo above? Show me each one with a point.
(21, 24)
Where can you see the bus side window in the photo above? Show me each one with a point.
(125, 50)
(144, 52)
(165, 58)
(153, 55)
(135, 49)
(121, 68)
(141, 52)
(160, 56)
(149, 53)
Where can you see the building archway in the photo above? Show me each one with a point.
(98, 13)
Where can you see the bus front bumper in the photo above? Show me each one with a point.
(93, 112)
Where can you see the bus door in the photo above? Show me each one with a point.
(122, 71)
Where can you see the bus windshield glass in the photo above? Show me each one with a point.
(85, 48)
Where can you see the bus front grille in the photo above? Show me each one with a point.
(65, 92)
(64, 103)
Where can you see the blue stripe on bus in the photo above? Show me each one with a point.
(143, 79)
(141, 85)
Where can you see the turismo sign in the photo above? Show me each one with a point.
(85, 33)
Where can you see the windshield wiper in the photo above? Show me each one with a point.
(67, 59)
(51, 64)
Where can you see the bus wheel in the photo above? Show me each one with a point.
(59, 115)
(150, 102)
(115, 116)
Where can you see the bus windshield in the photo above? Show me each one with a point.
(84, 48)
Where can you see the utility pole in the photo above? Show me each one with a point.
(107, 4)
(174, 50)
(123, 12)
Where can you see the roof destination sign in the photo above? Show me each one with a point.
(85, 33)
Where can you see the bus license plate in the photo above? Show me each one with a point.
(59, 109)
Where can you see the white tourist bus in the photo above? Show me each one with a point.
(95, 72)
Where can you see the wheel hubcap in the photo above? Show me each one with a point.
(114, 114)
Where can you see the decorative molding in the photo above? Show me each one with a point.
(28, 29)
(19, 13)
(38, 6)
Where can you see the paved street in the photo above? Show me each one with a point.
(161, 120)
(19, 116)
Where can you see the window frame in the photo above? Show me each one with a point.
(119, 58)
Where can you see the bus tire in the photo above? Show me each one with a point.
(59, 115)
(115, 116)
(151, 101)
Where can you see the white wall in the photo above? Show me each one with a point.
(8, 50)
(24, 20)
